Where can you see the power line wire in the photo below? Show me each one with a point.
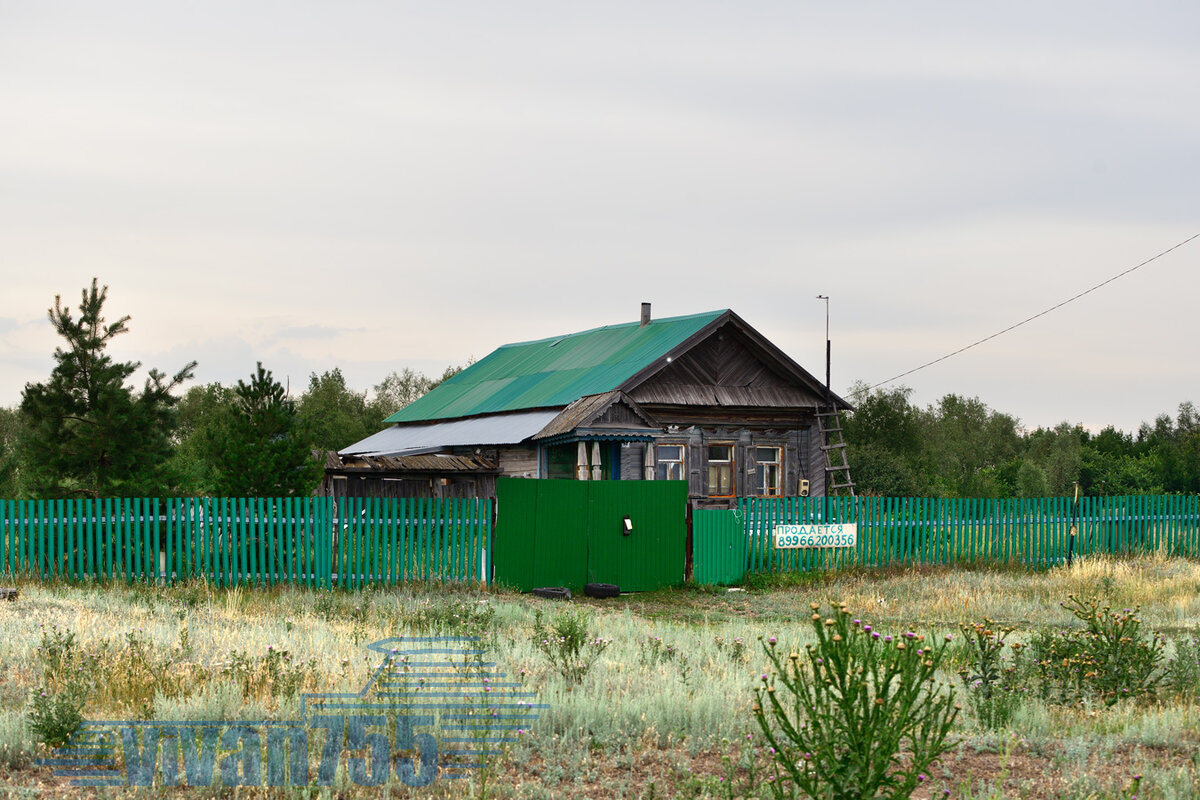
(1035, 316)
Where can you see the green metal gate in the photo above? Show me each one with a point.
(718, 546)
(569, 533)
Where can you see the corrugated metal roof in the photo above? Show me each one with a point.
(553, 372)
(433, 462)
(410, 439)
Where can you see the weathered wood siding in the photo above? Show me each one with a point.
(633, 461)
(725, 370)
(408, 486)
(518, 462)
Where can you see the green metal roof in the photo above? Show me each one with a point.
(555, 371)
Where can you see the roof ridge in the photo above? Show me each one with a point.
(536, 374)
(634, 323)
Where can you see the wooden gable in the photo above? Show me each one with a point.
(727, 368)
(599, 415)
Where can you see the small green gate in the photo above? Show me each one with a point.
(718, 546)
(569, 533)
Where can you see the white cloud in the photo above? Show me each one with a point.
(376, 185)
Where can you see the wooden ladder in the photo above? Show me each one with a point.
(833, 445)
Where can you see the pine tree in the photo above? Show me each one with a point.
(86, 433)
(263, 451)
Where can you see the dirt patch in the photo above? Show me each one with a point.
(673, 772)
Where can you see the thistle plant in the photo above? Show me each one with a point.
(993, 683)
(653, 650)
(1112, 658)
(838, 716)
(54, 716)
(56, 708)
(567, 644)
(1183, 670)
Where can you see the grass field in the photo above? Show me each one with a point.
(664, 710)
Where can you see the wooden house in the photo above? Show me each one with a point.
(703, 398)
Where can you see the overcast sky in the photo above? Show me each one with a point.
(374, 185)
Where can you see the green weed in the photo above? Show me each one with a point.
(568, 645)
(995, 686)
(837, 716)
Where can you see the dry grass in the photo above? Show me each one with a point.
(631, 723)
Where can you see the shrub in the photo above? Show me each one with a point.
(1183, 669)
(274, 674)
(56, 652)
(54, 716)
(56, 707)
(995, 686)
(838, 716)
(456, 617)
(1111, 658)
(568, 645)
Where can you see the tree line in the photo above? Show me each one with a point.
(87, 431)
(958, 447)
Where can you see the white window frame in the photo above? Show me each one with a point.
(676, 469)
(761, 472)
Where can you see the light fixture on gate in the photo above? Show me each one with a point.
(626, 526)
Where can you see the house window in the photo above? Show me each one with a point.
(561, 460)
(769, 472)
(720, 470)
(669, 463)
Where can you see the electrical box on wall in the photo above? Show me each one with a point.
(803, 491)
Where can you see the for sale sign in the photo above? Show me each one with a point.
(791, 536)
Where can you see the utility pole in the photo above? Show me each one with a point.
(828, 353)
(833, 441)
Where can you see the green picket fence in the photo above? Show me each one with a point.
(310, 541)
(385, 541)
(914, 530)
